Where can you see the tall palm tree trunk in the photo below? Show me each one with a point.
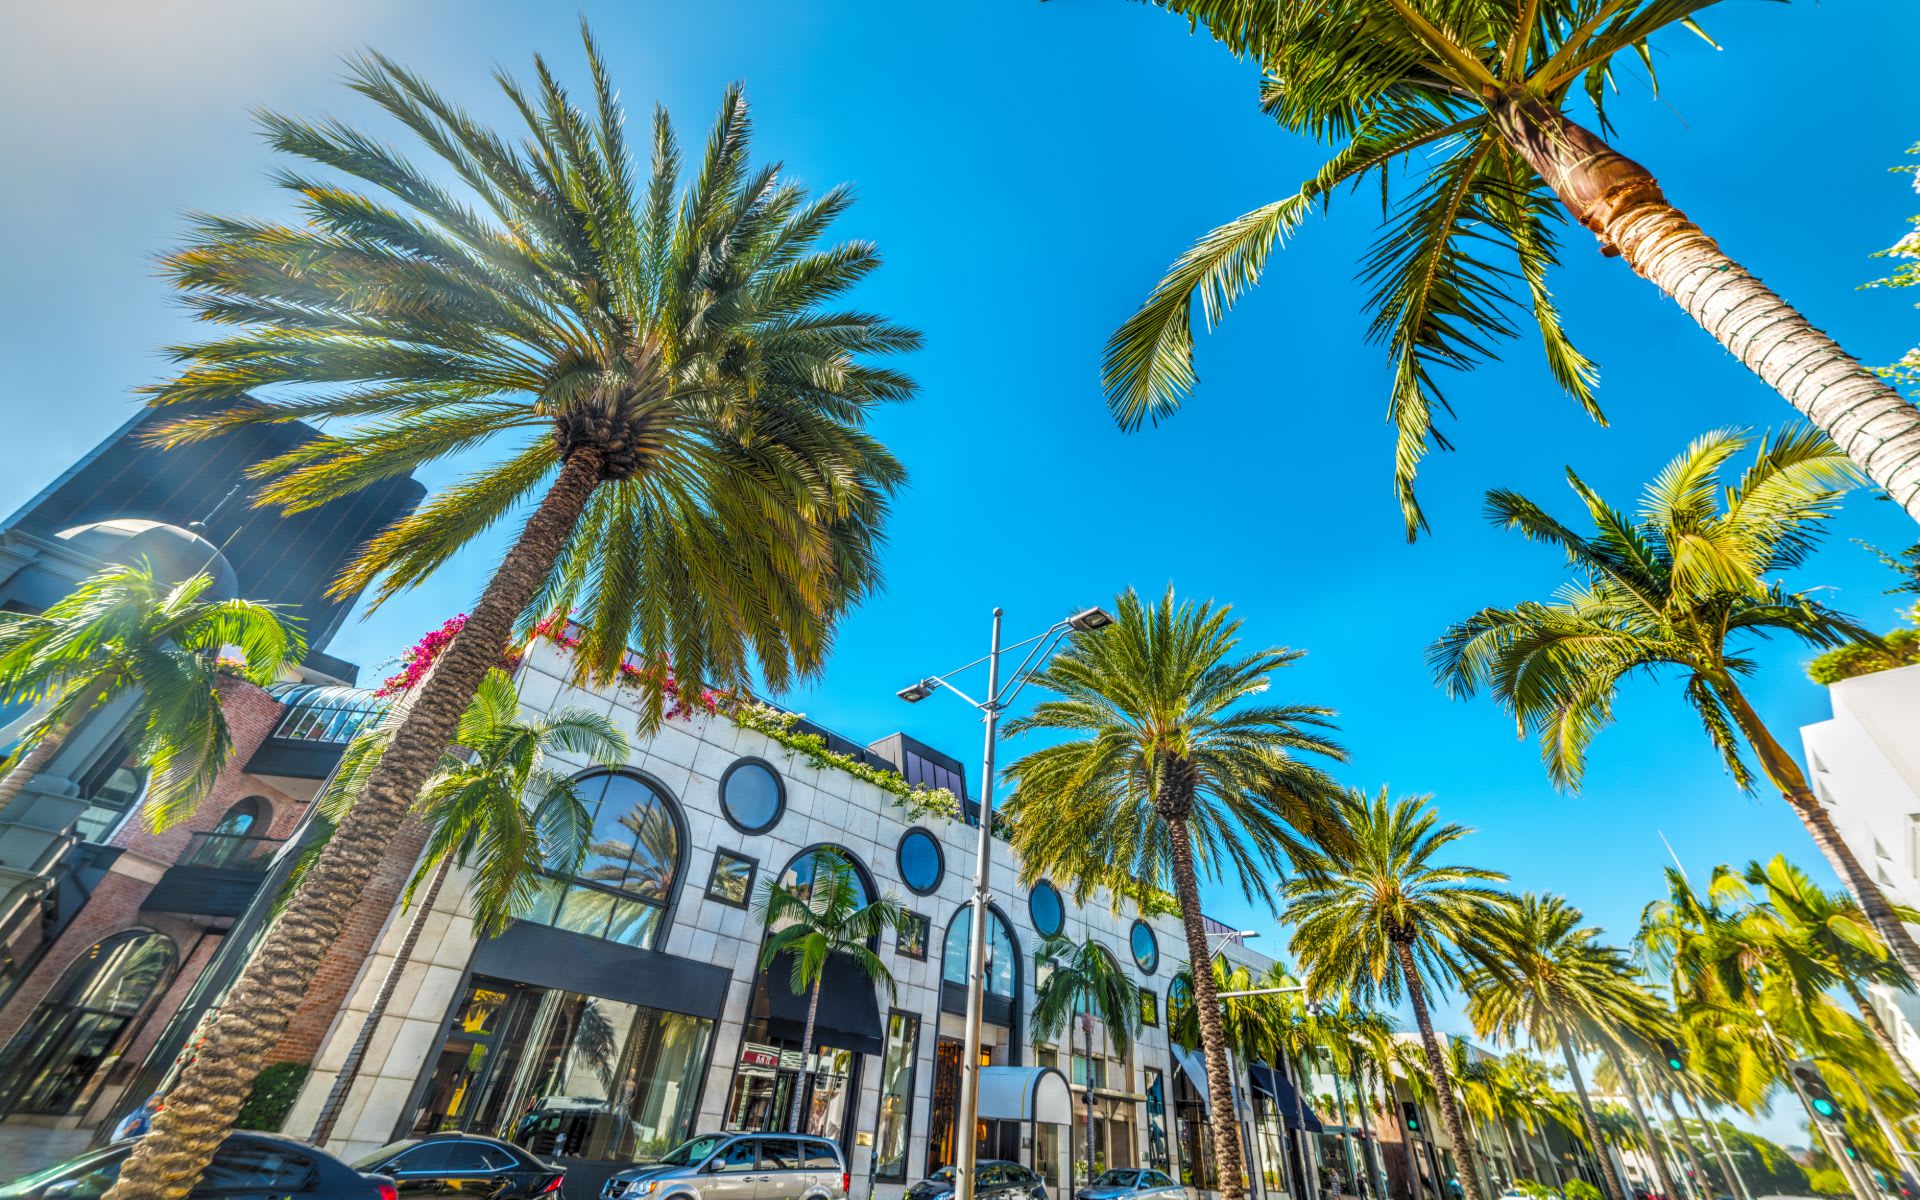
(357, 1053)
(201, 1104)
(31, 763)
(1206, 1006)
(1784, 771)
(1437, 1067)
(1609, 1179)
(1736, 1186)
(805, 1083)
(1698, 1168)
(1621, 202)
(1871, 1016)
(1346, 1124)
(1640, 1119)
(1533, 1163)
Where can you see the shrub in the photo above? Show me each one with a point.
(1828, 1182)
(1580, 1189)
(1901, 648)
(274, 1091)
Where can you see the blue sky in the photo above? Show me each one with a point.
(1028, 170)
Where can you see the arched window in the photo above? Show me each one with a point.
(634, 857)
(55, 1058)
(798, 877)
(242, 818)
(1003, 960)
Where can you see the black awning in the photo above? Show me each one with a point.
(849, 1016)
(1279, 1089)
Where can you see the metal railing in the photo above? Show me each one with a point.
(230, 851)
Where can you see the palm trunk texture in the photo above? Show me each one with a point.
(1437, 1066)
(357, 1053)
(1736, 1186)
(1621, 202)
(1206, 1006)
(1698, 1168)
(31, 763)
(1660, 1168)
(201, 1104)
(1609, 1171)
(804, 1088)
(1784, 772)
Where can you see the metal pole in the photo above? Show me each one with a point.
(1900, 1160)
(967, 1120)
(1841, 1162)
(1715, 1142)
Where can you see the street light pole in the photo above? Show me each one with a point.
(966, 1121)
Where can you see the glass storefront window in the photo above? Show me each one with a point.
(1156, 1089)
(566, 1075)
(627, 877)
(895, 1120)
(763, 1093)
(1000, 955)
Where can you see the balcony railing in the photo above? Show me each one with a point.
(230, 852)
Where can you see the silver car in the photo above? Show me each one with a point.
(1126, 1183)
(737, 1166)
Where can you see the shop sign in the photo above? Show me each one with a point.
(752, 1054)
(791, 1060)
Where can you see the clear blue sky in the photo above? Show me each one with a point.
(1028, 170)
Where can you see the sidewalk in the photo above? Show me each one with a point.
(27, 1148)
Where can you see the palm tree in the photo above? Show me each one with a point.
(658, 362)
(1169, 772)
(1082, 979)
(121, 633)
(830, 917)
(1382, 915)
(1545, 976)
(1474, 101)
(497, 808)
(1684, 586)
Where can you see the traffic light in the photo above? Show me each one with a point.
(1814, 1087)
(1410, 1116)
(1676, 1061)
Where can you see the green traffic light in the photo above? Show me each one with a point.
(1824, 1107)
(1674, 1064)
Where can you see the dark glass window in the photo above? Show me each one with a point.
(1000, 955)
(239, 1167)
(1045, 907)
(820, 1156)
(921, 863)
(738, 1158)
(752, 796)
(1146, 948)
(780, 1154)
(627, 877)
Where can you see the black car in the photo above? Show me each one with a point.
(248, 1166)
(993, 1177)
(463, 1164)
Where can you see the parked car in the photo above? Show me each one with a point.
(464, 1164)
(1127, 1183)
(247, 1166)
(994, 1177)
(738, 1166)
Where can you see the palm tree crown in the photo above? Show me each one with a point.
(1082, 978)
(122, 632)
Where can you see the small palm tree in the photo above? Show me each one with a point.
(1474, 100)
(828, 917)
(656, 363)
(1170, 771)
(497, 808)
(1385, 917)
(122, 633)
(1082, 979)
(1684, 586)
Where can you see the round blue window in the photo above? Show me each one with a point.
(921, 863)
(1044, 906)
(751, 796)
(1146, 948)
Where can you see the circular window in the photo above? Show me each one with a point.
(752, 796)
(1146, 948)
(921, 863)
(1044, 906)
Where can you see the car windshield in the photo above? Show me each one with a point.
(692, 1151)
(382, 1154)
(72, 1169)
(1117, 1179)
(943, 1175)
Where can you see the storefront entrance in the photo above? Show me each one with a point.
(995, 1139)
(767, 1081)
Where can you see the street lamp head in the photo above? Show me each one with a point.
(1089, 620)
(914, 693)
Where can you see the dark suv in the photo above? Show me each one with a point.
(738, 1166)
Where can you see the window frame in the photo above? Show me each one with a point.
(668, 905)
(1149, 1008)
(1140, 926)
(913, 1084)
(1059, 900)
(925, 925)
(713, 876)
(939, 861)
(779, 795)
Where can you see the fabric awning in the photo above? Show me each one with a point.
(1280, 1090)
(849, 1016)
(1194, 1068)
(1025, 1094)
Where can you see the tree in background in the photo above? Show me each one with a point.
(1684, 586)
(1474, 103)
(123, 634)
(1172, 769)
(1082, 979)
(1381, 917)
(495, 807)
(677, 403)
